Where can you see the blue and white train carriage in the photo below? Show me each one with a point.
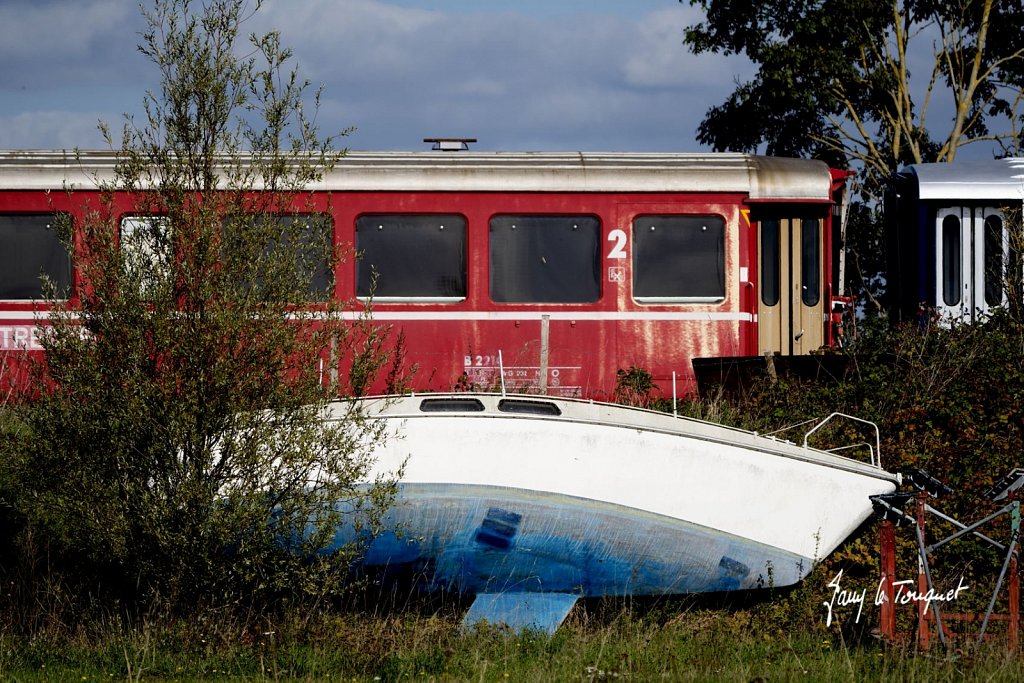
(954, 238)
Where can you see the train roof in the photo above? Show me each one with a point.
(761, 178)
(970, 179)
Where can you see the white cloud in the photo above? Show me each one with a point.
(46, 44)
(565, 81)
(660, 60)
(50, 130)
(580, 80)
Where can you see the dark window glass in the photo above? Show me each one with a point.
(951, 280)
(770, 265)
(412, 256)
(679, 257)
(271, 251)
(810, 261)
(527, 407)
(994, 266)
(30, 248)
(545, 259)
(451, 405)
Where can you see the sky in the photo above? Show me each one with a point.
(518, 75)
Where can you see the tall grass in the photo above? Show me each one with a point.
(603, 644)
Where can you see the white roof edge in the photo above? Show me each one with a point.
(989, 179)
(762, 178)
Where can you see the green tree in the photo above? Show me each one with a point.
(177, 452)
(869, 85)
(852, 82)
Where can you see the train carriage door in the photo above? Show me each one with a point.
(995, 258)
(971, 252)
(791, 306)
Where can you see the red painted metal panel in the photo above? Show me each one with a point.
(457, 343)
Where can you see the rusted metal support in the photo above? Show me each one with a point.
(922, 579)
(928, 610)
(887, 546)
(1013, 607)
(1011, 555)
(1013, 629)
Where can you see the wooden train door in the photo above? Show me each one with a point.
(792, 303)
(971, 252)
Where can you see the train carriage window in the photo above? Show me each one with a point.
(810, 261)
(408, 256)
(951, 278)
(770, 262)
(253, 250)
(29, 249)
(146, 250)
(994, 260)
(678, 258)
(545, 259)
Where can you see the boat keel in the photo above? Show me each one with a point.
(521, 611)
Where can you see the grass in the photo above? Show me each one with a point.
(613, 644)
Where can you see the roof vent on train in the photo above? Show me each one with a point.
(449, 144)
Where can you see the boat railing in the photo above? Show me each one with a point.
(862, 444)
(780, 430)
(876, 452)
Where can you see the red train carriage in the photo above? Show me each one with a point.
(567, 267)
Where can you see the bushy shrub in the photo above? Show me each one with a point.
(173, 451)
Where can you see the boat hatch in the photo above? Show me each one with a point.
(527, 407)
(451, 405)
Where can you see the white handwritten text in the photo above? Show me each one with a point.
(903, 594)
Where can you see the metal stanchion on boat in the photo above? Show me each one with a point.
(675, 413)
(501, 372)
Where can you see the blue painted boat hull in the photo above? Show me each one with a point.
(488, 539)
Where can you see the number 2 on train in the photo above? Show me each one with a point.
(618, 236)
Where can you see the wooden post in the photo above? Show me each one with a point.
(887, 547)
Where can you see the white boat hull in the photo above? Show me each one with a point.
(605, 500)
